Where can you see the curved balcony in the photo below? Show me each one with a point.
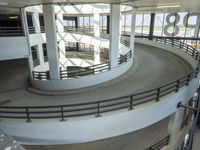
(78, 116)
(97, 108)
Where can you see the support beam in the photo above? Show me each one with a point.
(132, 36)
(60, 22)
(97, 25)
(36, 22)
(97, 35)
(115, 32)
(25, 29)
(108, 24)
(51, 37)
(152, 22)
(41, 54)
(174, 128)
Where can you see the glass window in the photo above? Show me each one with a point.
(138, 27)
(146, 23)
(158, 25)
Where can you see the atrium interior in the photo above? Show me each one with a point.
(94, 75)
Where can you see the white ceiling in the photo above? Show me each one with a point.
(142, 5)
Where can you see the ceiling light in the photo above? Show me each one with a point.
(169, 6)
(13, 17)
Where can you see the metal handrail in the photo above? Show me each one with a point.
(94, 69)
(159, 144)
(82, 71)
(42, 29)
(36, 62)
(97, 108)
(31, 30)
(11, 31)
(45, 58)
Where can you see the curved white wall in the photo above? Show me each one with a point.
(84, 81)
(90, 128)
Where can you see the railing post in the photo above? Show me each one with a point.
(188, 79)
(62, 113)
(177, 85)
(197, 71)
(180, 45)
(39, 76)
(28, 115)
(131, 103)
(98, 110)
(158, 95)
(47, 75)
(33, 73)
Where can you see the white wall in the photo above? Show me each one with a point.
(90, 128)
(13, 48)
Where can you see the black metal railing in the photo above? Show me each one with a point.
(83, 71)
(99, 107)
(36, 62)
(160, 144)
(31, 30)
(41, 75)
(11, 31)
(45, 58)
(87, 31)
(42, 29)
(125, 58)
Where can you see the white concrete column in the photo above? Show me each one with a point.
(174, 129)
(196, 32)
(60, 22)
(36, 22)
(97, 34)
(97, 25)
(62, 49)
(115, 32)
(51, 38)
(40, 53)
(60, 28)
(25, 29)
(132, 36)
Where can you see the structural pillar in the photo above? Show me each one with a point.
(108, 24)
(25, 29)
(151, 30)
(60, 22)
(174, 128)
(132, 36)
(51, 38)
(197, 29)
(115, 32)
(60, 28)
(36, 22)
(97, 35)
(41, 54)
